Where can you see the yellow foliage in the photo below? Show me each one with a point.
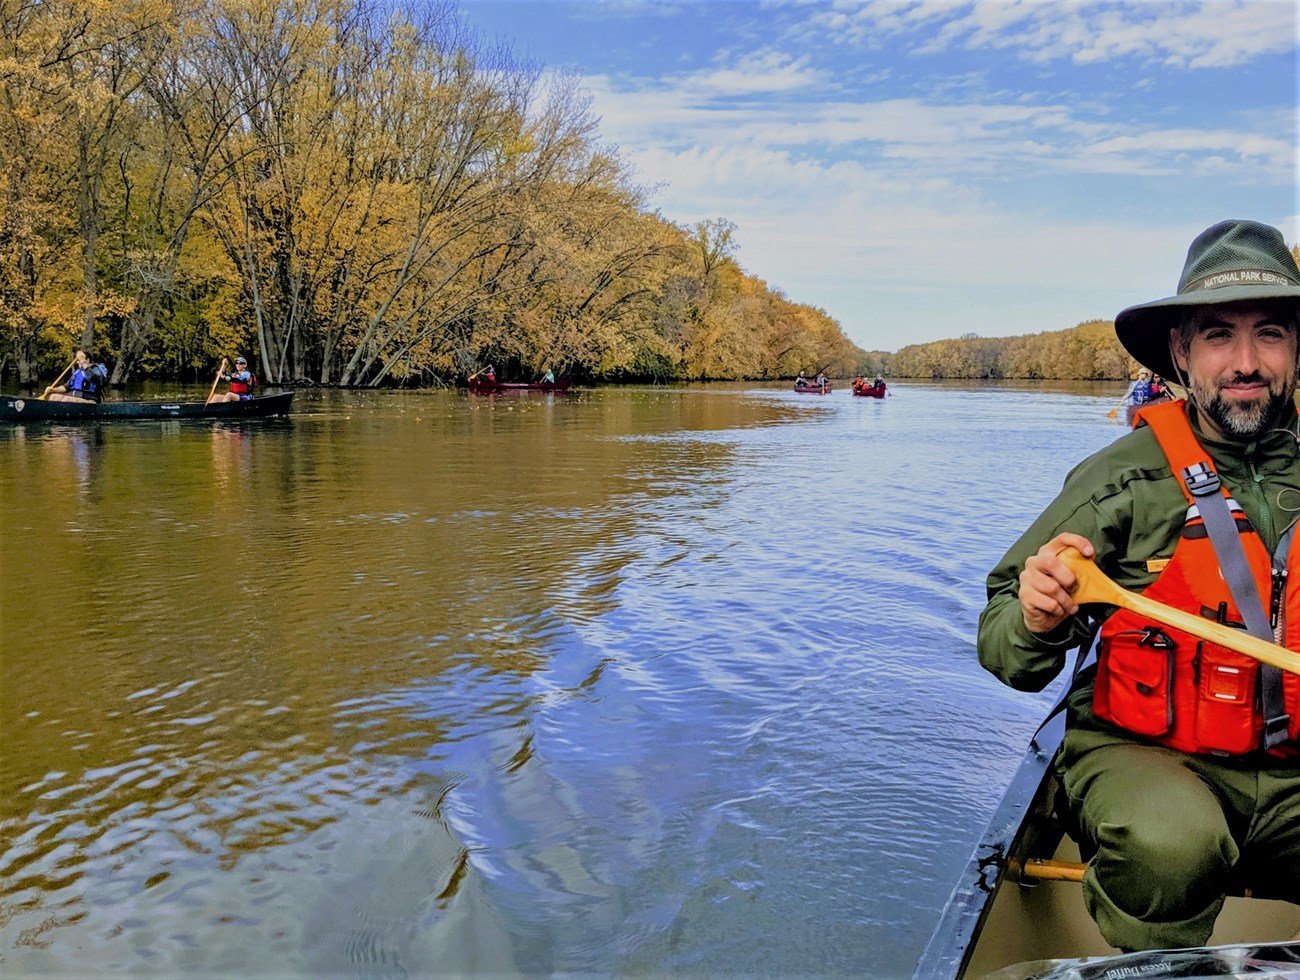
(1088, 351)
(400, 202)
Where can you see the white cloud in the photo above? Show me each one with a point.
(1189, 152)
(1212, 34)
(913, 139)
(902, 262)
(984, 204)
(762, 72)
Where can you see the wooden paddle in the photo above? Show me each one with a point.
(1094, 585)
(45, 395)
(214, 381)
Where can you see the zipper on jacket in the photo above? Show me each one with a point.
(1266, 515)
(1275, 604)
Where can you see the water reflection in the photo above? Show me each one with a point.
(75, 453)
(232, 449)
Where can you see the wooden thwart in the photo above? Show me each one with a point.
(1048, 869)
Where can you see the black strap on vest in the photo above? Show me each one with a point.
(1271, 691)
(1203, 484)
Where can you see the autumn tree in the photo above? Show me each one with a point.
(36, 228)
(353, 191)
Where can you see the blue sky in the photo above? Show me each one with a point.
(922, 170)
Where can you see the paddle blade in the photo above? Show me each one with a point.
(1112, 413)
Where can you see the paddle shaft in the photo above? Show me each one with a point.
(45, 394)
(1093, 585)
(214, 382)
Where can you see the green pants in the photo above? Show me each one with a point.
(1173, 833)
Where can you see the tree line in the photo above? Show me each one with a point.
(1089, 351)
(351, 192)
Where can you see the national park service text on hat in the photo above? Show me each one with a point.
(1227, 263)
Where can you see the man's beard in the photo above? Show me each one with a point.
(1245, 420)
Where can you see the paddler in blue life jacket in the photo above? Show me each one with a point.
(242, 382)
(1139, 392)
(85, 385)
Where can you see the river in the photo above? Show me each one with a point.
(663, 682)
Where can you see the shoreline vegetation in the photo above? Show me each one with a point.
(364, 193)
(350, 192)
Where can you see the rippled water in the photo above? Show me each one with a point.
(634, 682)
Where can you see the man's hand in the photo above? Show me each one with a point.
(1045, 584)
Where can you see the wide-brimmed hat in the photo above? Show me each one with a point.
(1227, 263)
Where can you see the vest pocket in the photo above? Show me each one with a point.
(1135, 681)
(1225, 695)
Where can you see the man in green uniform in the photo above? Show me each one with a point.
(1170, 819)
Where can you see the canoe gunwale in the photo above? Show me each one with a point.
(1003, 847)
(17, 410)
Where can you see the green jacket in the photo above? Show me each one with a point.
(1125, 500)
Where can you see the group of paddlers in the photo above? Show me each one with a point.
(1148, 387)
(88, 378)
(860, 382)
(803, 382)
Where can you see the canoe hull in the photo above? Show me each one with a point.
(15, 409)
(812, 389)
(481, 387)
(1132, 410)
(1001, 915)
(870, 391)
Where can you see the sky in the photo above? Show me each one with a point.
(924, 170)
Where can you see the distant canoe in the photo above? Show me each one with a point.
(812, 389)
(871, 391)
(15, 409)
(484, 387)
(1134, 409)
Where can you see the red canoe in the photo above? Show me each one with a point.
(1132, 410)
(871, 391)
(812, 389)
(485, 387)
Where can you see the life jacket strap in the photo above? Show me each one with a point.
(1203, 484)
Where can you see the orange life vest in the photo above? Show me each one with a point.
(1171, 687)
